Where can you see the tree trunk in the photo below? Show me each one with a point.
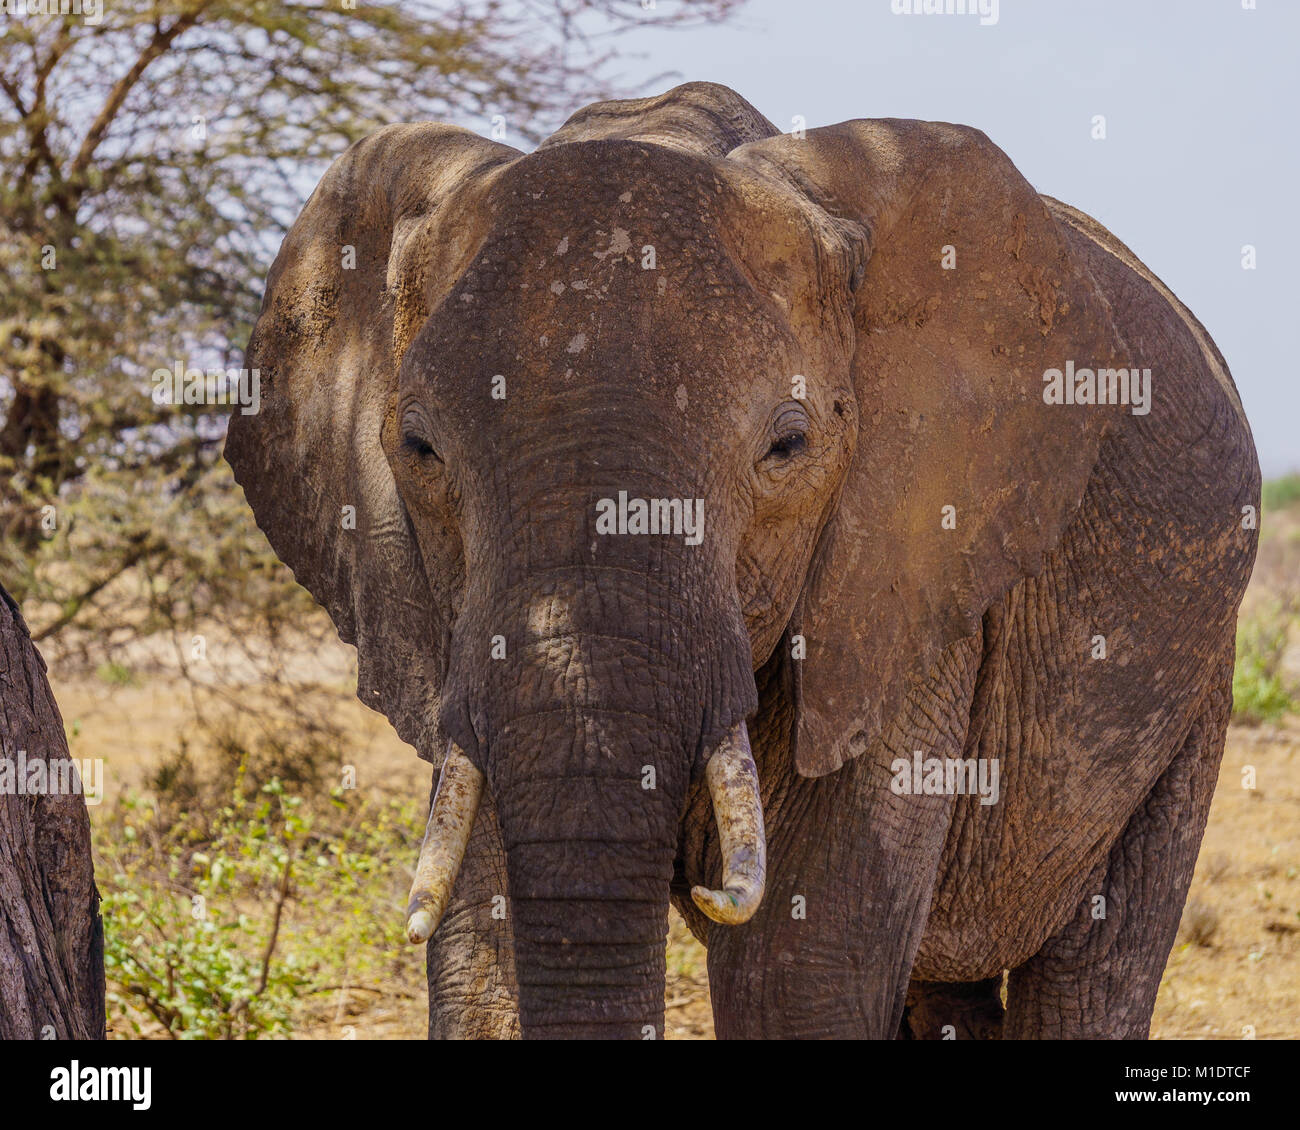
(51, 935)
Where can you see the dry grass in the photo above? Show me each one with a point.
(1236, 965)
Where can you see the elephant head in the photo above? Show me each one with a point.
(570, 444)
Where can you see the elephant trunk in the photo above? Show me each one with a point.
(590, 921)
(590, 904)
(616, 684)
(737, 806)
(590, 945)
(589, 798)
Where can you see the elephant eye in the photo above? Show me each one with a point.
(419, 446)
(788, 444)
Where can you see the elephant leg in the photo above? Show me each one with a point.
(851, 872)
(959, 1011)
(1097, 978)
(828, 954)
(471, 963)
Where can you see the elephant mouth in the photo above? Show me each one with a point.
(732, 779)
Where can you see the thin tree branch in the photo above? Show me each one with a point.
(156, 47)
(71, 608)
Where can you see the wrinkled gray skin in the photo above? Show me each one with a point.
(829, 603)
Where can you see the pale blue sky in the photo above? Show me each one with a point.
(1200, 99)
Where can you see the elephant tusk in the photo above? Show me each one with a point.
(451, 818)
(738, 809)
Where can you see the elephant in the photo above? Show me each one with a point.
(825, 534)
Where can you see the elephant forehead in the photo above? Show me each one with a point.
(524, 357)
(596, 231)
(589, 309)
(660, 192)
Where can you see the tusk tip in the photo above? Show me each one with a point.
(419, 927)
(723, 906)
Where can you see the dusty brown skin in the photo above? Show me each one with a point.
(51, 933)
(475, 518)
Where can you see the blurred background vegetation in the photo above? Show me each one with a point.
(1266, 684)
(149, 166)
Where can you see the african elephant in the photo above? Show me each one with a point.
(826, 533)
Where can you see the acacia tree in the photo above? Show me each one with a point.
(149, 164)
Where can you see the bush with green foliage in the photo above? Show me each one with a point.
(223, 924)
(1277, 494)
(1258, 692)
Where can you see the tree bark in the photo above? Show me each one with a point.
(51, 935)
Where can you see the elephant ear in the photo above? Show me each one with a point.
(963, 478)
(384, 236)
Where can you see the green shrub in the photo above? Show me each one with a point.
(117, 675)
(1258, 693)
(1279, 493)
(224, 925)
